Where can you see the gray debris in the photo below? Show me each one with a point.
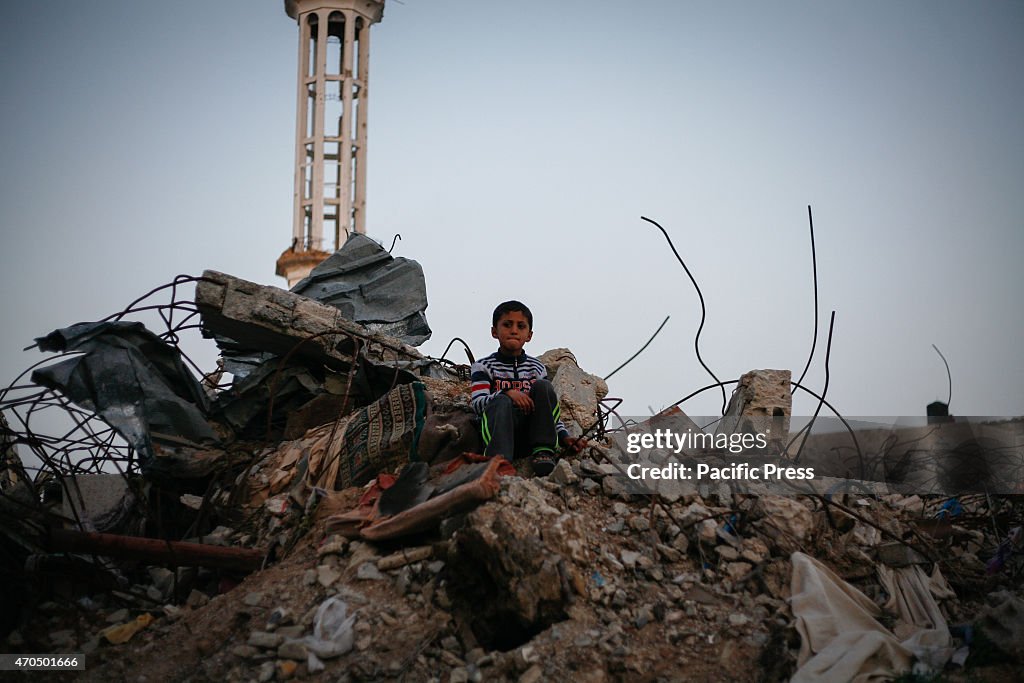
(134, 380)
(371, 287)
(368, 572)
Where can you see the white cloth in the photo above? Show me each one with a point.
(840, 638)
(921, 625)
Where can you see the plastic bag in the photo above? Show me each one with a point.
(332, 630)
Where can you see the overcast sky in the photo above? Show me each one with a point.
(515, 147)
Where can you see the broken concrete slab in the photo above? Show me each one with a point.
(271, 319)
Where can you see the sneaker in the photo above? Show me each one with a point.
(543, 464)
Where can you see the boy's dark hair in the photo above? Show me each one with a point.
(509, 307)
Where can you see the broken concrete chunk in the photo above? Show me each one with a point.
(369, 572)
(361, 552)
(333, 545)
(196, 599)
(566, 535)
(754, 550)
(629, 558)
(506, 572)
(264, 640)
(727, 553)
(293, 649)
(563, 474)
(760, 403)
(784, 520)
(579, 392)
(10, 464)
(617, 486)
(326, 575)
(118, 616)
(672, 490)
(553, 359)
(707, 532)
(668, 553)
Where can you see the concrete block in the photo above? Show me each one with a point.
(102, 501)
(760, 403)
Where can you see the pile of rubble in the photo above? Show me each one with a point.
(323, 516)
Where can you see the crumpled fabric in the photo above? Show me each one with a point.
(840, 640)
(840, 637)
(134, 380)
(370, 440)
(460, 490)
(921, 626)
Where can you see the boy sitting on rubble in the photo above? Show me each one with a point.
(516, 403)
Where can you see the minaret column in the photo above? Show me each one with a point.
(345, 132)
(331, 128)
(359, 198)
(317, 134)
(299, 237)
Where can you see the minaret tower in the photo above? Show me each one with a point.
(330, 133)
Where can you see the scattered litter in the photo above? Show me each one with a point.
(122, 633)
(332, 630)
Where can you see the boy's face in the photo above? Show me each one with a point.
(512, 332)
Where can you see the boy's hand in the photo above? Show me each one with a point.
(521, 400)
(574, 445)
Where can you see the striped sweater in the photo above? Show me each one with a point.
(497, 372)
